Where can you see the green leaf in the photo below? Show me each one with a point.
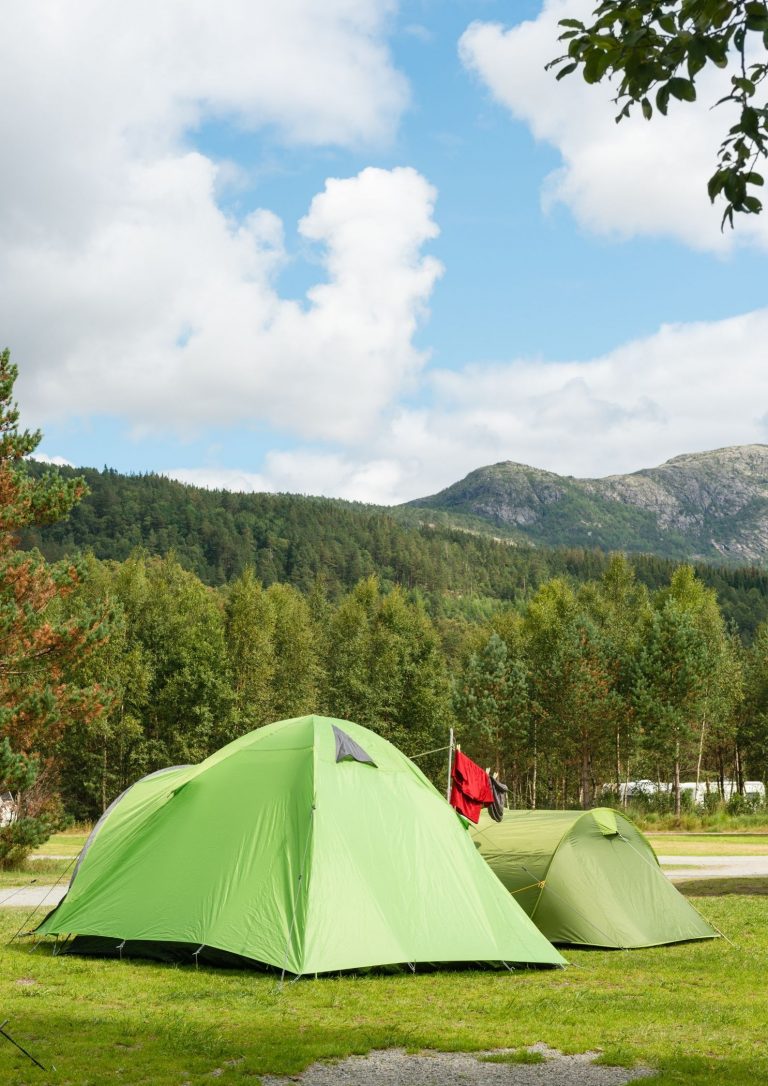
(715, 184)
(717, 51)
(566, 70)
(575, 23)
(697, 58)
(662, 98)
(750, 123)
(647, 109)
(756, 16)
(734, 187)
(683, 89)
(596, 66)
(745, 85)
(754, 178)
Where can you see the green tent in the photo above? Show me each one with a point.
(587, 878)
(311, 845)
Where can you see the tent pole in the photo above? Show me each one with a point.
(450, 766)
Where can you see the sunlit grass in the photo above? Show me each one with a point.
(696, 1011)
(62, 844)
(691, 844)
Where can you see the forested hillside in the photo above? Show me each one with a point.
(299, 540)
(567, 670)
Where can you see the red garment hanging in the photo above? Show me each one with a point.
(471, 789)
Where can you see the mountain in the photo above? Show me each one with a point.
(710, 505)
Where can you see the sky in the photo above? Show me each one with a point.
(361, 248)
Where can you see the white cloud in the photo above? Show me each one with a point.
(687, 388)
(169, 318)
(56, 461)
(242, 482)
(305, 471)
(125, 289)
(622, 180)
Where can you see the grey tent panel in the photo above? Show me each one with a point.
(346, 747)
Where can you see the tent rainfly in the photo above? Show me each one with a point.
(587, 878)
(311, 845)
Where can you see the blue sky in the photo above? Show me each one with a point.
(503, 273)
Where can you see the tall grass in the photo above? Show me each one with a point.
(656, 812)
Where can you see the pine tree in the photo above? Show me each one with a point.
(39, 645)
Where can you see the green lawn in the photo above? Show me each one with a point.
(62, 844)
(697, 1012)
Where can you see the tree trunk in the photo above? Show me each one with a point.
(618, 763)
(586, 783)
(721, 771)
(677, 779)
(104, 777)
(701, 752)
(534, 781)
(739, 770)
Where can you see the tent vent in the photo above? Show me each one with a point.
(606, 821)
(346, 748)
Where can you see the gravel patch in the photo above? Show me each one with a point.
(714, 867)
(22, 897)
(394, 1067)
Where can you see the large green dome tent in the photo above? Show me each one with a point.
(311, 845)
(587, 878)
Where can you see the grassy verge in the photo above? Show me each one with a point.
(41, 871)
(692, 844)
(53, 859)
(695, 1011)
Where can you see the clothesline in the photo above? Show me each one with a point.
(424, 753)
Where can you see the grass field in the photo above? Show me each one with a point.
(696, 1012)
(62, 844)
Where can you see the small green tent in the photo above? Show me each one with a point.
(587, 878)
(310, 845)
